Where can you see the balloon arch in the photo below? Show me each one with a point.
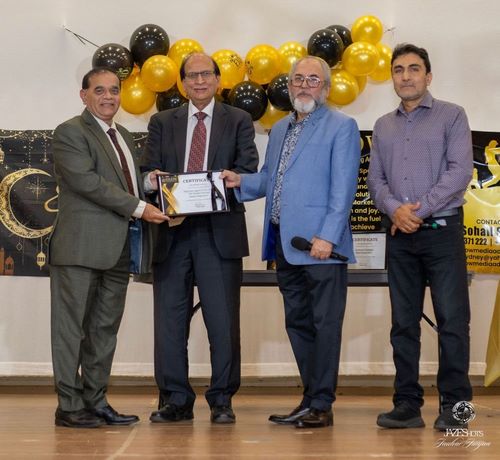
(149, 70)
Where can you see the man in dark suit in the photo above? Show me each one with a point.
(90, 251)
(203, 249)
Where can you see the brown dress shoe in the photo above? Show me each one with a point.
(291, 418)
(315, 419)
(78, 419)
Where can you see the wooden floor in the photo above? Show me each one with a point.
(27, 431)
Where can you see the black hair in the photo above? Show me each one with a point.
(182, 70)
(407, 48)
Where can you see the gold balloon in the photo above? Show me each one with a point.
(232, 68)
(382, 70)
(344, 87)
(180, 86)
(271, 116)
(136, 97)
(181, 48)
(263, 63)
(159, 73)
(362, 83)
(290, 52)
(360, 58)
(367, 29)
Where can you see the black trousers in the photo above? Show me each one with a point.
(315, 298)
(436, 256)
(192, 258)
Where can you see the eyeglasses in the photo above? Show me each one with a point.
(204, 74)
(312, 81)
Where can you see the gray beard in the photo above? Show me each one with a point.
(304, 107)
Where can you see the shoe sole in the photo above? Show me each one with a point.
(166, 420)
(451, 427)
(415, 422)
(281, 422)
(223, 420)
(65, 424)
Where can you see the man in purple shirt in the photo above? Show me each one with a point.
(421, 164)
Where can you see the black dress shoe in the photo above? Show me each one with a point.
(222, 414)
(111, 417)
(172, 413)
(315, 419)
(78, 419)
(290, 418)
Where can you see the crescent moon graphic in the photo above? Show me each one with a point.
(7, 217)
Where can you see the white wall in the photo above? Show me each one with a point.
(39, 83)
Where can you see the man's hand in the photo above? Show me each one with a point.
(232, 179)
(153, 178)
(153, 214)
(405, 220)
(321, 249)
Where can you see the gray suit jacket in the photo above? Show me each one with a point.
(94, 205)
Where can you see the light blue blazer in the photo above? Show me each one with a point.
(319, 185)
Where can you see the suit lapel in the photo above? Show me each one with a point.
(105, 142)
(180, 132)
(216, 131)
(306, 134)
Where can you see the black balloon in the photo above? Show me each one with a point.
(148, 40)
(326, 44)
(169, 99)
(277, 92)
(344, 33)
(223, 96)
(116, 57)
(250, 97)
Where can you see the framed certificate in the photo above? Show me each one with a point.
(184, 194)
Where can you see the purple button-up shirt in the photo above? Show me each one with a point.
(424, 155)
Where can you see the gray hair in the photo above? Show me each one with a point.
(324, 67)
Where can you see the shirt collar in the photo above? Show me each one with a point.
(104, 126)
(425, 102)
(209, 109)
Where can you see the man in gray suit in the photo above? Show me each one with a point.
(206, 249)
(90, 252)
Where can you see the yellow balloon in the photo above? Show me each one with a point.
(344, 87)
(232, 68)
(181, 48)
(263, 63)
(180, 86)
(360, 58)
(271, 116)
(159, 73)
(382, 70)
(136, 97)
(362, 83)
(290, 52)
(367, 29)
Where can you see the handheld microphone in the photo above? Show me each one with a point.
(303, 245)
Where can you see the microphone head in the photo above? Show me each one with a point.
(300, 243)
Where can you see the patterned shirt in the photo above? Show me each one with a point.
(424, 155)
(292, 136)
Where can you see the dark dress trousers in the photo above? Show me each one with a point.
(206, 250)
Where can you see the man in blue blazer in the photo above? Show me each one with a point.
(309, 180)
